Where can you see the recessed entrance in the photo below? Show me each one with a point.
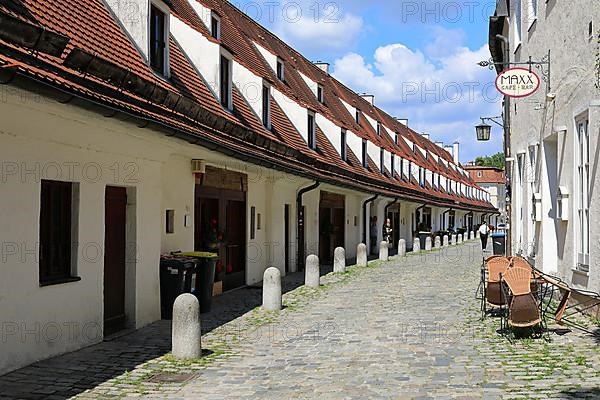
(115, 220)
(332, 223)
(220, 223)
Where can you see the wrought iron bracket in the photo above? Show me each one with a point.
(543, 66)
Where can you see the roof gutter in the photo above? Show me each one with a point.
(200, 141)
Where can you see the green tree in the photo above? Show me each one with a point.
(497, 161)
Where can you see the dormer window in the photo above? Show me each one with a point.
(280, 70)
(266, 106)
(312, 131)
(158, 40)
(396, 137)
(343, 145)
(379, 129)
(357, 116)
(320, 94)
(215, 26)
(382, 161)
(225, 82)
(365, 162)
(393, 167)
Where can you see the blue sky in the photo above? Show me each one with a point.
(417, 57)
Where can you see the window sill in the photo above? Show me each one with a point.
(580, 272)
(60, 281)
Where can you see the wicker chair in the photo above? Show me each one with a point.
(496, 266)
(523, 310)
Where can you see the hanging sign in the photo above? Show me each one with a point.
(518, 82)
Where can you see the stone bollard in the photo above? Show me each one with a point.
(477, 235)
(438, 242)
(361, 255)
(446, 242)
(459, 238)
(339, 260)
(454, 240)
(402, 248)
(272, 289)
(416, 245)
(312, 277)
(428, 243)
(384, 251)
(471, 235)
(186, 332)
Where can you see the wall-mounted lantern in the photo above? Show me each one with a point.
(484, 129)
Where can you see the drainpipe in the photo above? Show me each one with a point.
(364, 212)
(444, 216)
(507, 139)
(301, 224)
(388, 207)
(420, 218)
(466, 215)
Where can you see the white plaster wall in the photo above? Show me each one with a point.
(203, 12)
(297, 115)
(312, 85)
(133, 15)
(351, 110)
(387, 159)
(250, 85)
(66, 143)
(375, 153)
(355, 144)
(372, 122)
(204, 54)
(269, 57)
(331, 131)
(177, 187)
(555, 242)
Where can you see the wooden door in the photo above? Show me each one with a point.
(235, 252)
(115, 219)
(286, 244)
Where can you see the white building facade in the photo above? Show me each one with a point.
(554, 135)
(113, 155)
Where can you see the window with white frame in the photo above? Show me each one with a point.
(215, 26)
(159, 38)
(393, 167)
(225, 82)
(320, 94)
(357, 116)
(266, 106)
(312, 131)
(379, 129)
(583, 206)
(382, 161)
(343, 144)
(365, 158)
(517, 22)
(280, 70)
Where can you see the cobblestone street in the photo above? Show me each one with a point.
(409, 328)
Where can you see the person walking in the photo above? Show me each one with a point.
(484, 231)
(387, 231)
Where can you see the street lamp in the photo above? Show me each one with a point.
(484, 130)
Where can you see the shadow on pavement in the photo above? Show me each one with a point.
(70, 374)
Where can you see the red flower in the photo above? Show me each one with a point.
(219, 266)
(229, 268)
(220, 237)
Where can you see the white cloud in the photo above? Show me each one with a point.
(442, 94)
(318, 32)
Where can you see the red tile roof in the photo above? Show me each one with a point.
(190, 108)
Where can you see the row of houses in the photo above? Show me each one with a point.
(132, 129)
(552, 144)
